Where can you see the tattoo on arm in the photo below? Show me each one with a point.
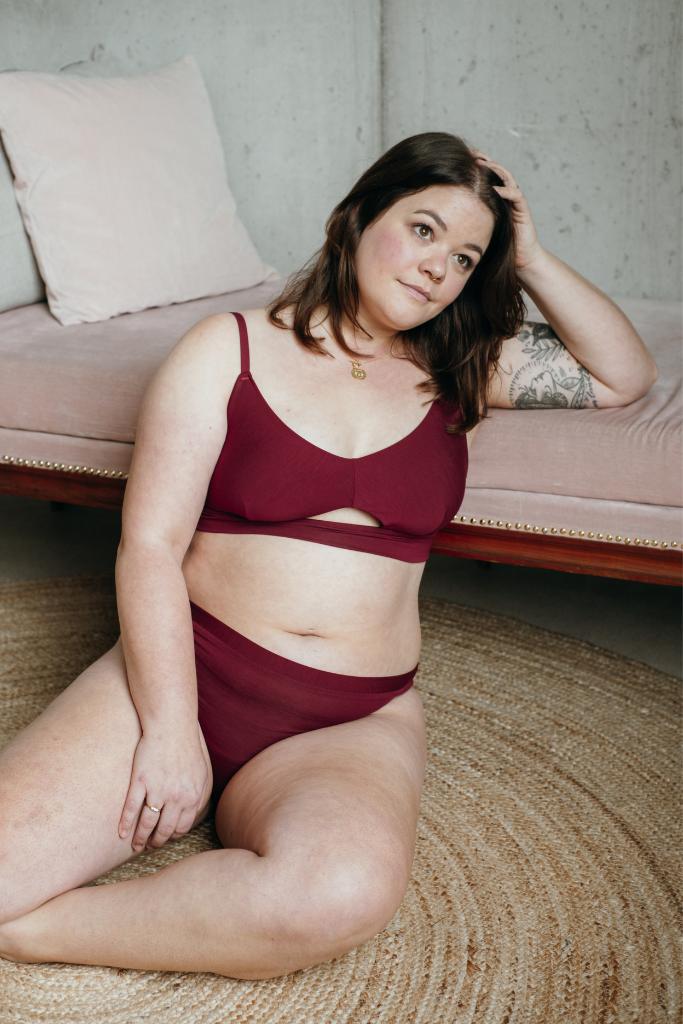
(551, 378)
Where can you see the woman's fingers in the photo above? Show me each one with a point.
(149, 820)
(498, 168)
(510, 189)
(166, 826)
(131, 808)
(186, 819)
(164, 832)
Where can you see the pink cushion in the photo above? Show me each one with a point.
(122, 188)
(87, 380)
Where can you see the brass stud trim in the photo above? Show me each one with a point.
(567, 532)
(13, 460)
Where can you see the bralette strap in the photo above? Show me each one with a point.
(244, 343)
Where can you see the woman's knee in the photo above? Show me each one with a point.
(338, 905)
(312, 916)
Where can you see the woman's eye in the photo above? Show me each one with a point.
(468, 262)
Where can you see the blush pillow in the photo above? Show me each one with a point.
(20, 281)
(122, 190)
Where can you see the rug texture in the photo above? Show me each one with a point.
(546, 885)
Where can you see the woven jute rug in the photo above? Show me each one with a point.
(546, 885)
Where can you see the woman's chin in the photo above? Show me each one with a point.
(404, 318)
(415, 321)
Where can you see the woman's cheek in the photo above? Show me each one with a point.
(390, 247)
(458, 287)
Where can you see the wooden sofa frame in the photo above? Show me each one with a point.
(482, 539)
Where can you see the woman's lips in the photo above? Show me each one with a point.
(413, 291)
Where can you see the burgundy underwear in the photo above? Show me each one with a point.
(250, 697)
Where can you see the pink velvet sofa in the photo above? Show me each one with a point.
(590, 491)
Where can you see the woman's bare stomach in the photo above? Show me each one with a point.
(331, 608)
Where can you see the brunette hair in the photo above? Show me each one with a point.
(460, 346)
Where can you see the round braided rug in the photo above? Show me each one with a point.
(546, 885)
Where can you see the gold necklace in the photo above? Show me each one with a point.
(357, 370)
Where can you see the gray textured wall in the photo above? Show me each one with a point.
(581, 100)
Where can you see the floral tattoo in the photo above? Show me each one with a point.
(551, 378)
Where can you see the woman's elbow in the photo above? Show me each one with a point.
(640, 387)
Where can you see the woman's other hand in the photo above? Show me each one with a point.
(169, 772)
(527, 245)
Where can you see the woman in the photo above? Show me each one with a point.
(267, 585)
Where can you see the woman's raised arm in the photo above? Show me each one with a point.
(591, 326)
(590, 340)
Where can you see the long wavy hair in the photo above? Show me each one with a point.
(459, 347)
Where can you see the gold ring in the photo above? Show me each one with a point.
(157, 810)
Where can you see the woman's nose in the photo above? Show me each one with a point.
(434, 268)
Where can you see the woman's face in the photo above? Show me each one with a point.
(431, 240)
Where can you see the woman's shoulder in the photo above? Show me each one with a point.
(275, 339)
(259, 324)
(222, 330)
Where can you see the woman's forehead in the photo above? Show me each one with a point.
(449, 206)
(442, 197)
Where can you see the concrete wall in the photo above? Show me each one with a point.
(579, 99)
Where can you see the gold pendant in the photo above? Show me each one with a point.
(357, 370)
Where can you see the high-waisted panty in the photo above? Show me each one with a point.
(250, 697)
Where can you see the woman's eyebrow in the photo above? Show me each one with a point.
(466, 245)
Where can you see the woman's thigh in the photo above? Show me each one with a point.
(337, 809)
(63, 782)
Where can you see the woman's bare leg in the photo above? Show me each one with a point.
(63, 782)
(319, 832)
(257, 909)
(217, 911)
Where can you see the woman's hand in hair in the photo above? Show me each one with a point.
(527, 245)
